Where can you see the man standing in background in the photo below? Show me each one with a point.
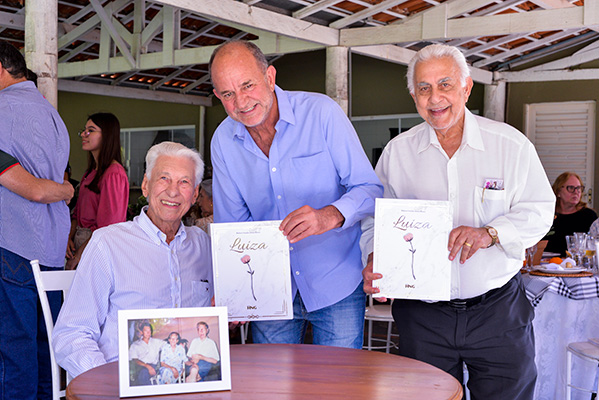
(31, 131)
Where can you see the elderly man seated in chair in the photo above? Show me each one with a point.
(203, 354)
(153, 261)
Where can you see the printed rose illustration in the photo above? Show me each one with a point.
(246, 260)
(408, 238)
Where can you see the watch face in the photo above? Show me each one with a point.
(492, 231)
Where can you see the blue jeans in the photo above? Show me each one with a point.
(25, 371)
(340, 324)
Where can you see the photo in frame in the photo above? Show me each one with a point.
(410, 249)
(173, 350)
(252, 275)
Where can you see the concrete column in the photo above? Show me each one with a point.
(337, 76)
(41, 45)
(494, 101)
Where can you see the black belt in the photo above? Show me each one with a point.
(463, 304)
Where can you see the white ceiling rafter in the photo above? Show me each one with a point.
(527, 47)
(314, 8)
(373, 9)
(438, 26)
(494, 35)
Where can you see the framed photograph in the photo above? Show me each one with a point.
(410, 249)
(252, 276)
(173, 350)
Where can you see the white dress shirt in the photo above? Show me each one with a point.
(415, 166)
(148, 353)
(128, 266)
(206, 348)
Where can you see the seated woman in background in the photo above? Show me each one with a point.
(200, 214)
(571, 213)
(104, 189)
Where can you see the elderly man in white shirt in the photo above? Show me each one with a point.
(457, 156)
(202, 353)
(153, 261)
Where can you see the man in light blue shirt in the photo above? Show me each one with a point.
(153, 261)
(32, 132)
(294, 156)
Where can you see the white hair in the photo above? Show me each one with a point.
(438, 51)
(174, 150)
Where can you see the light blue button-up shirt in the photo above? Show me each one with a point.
(315, 159)
(32, 131)
(128, 266)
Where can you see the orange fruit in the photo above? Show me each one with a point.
(556, 260)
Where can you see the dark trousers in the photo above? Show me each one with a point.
(494, 338)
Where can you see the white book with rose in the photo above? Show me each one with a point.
(410, 249)
(252, 276)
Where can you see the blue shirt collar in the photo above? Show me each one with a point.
(155, 234)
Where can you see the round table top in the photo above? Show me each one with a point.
(290, 371)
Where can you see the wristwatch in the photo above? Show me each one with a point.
(493, 233)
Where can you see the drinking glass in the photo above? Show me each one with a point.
(530, 254)
(574, 248)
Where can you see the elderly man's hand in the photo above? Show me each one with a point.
(370, 276)
(469, 240)
(307, 221)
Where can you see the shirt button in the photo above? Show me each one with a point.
(274, 169)
(279, 197)
(297, 272)
(291, 248)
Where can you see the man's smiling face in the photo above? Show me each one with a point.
(170, 190)
(439, 94)
(246, 91)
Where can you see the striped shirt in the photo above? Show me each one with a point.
(128, 266)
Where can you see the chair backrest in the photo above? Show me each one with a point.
(48, 281)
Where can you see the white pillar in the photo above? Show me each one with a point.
(41, 45)
(494, 102)
(337, 76)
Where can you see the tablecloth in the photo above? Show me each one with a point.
(566, 310)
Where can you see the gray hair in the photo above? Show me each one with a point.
(207, 186)
(438, 51)
(174, 150)
(249, 46)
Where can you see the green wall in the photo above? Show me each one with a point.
(75, 107)
(377, 88)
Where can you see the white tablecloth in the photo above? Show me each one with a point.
(560, 320)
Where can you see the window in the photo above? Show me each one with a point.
(376, 131)
(136, 143)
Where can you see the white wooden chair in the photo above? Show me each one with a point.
(379, 312)
(47, 281)
(243, 329)
(588, 351)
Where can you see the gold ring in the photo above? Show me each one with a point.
(467, 244)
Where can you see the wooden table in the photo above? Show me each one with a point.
(289, 372)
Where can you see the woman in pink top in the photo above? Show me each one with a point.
(104, 188)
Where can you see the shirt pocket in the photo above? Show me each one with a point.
(488, 205)
(201, 293)
(315, 180)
